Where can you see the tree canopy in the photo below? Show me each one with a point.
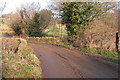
(32, 21)
(77, 15)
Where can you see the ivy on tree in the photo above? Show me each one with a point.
(77, 15)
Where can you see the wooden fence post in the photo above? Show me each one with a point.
(117, 42)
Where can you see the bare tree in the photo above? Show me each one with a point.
(3, 4)
(45, 18)
(32, 20)
(29, 9)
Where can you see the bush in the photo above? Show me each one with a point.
(17, 27)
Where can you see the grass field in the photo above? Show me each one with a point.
(55, 31)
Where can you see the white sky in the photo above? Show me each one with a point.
(12, 5)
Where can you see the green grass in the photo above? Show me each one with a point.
(55, 31)
(0, 77)
(107, 55)
(18, 69)
(5, 35)
(23, 64)
(58, 43)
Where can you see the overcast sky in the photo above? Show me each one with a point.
(12, 5)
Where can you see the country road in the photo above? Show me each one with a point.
(60, 62)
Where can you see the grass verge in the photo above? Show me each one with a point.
(107, 55)
(19, 60)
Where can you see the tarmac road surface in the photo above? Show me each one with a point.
(60, 62)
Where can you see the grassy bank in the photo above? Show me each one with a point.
(19, 60)
(108, 55)
(5, 35)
